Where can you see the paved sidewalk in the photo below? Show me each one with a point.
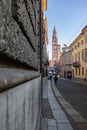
(53, 115)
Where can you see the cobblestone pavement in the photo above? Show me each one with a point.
(53, 116)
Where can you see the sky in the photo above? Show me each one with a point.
(69, 17)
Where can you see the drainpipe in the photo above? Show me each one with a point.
(41, 54)
(41, 46)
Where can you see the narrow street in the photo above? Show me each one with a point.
(41, 40)
(75, 94)
(53, 117)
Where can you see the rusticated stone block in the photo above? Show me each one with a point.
(18, 23)
(24, 20)
(17, 46)
(31, 12)
(34, 4)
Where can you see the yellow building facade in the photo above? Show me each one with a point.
(79, 56)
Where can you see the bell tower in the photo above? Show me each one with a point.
(54, 45)
(55, 50)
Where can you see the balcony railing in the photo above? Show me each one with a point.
(76, 64)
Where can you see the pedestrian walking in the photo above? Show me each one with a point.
(50, 77)
(55, 79)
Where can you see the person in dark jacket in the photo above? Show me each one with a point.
(55, 79)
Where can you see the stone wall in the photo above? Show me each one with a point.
(20, 89)
(20, 107)
(20, 32)
(45, 61)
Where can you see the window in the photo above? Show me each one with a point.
(75, 57)
(82, 70)
(82, 54)
(82, 42)
(86, 38)
(78, 44)
(79, 71)
(86, 55)
(75, 46)
(78, 56)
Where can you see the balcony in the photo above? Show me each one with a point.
(76, 64)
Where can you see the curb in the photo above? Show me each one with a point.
(75, 81)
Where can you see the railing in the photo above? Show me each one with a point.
(76, 64)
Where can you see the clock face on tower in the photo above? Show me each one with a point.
(54, 40)
(54, 43)
(54, 47)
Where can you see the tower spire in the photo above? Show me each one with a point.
(54, 31)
